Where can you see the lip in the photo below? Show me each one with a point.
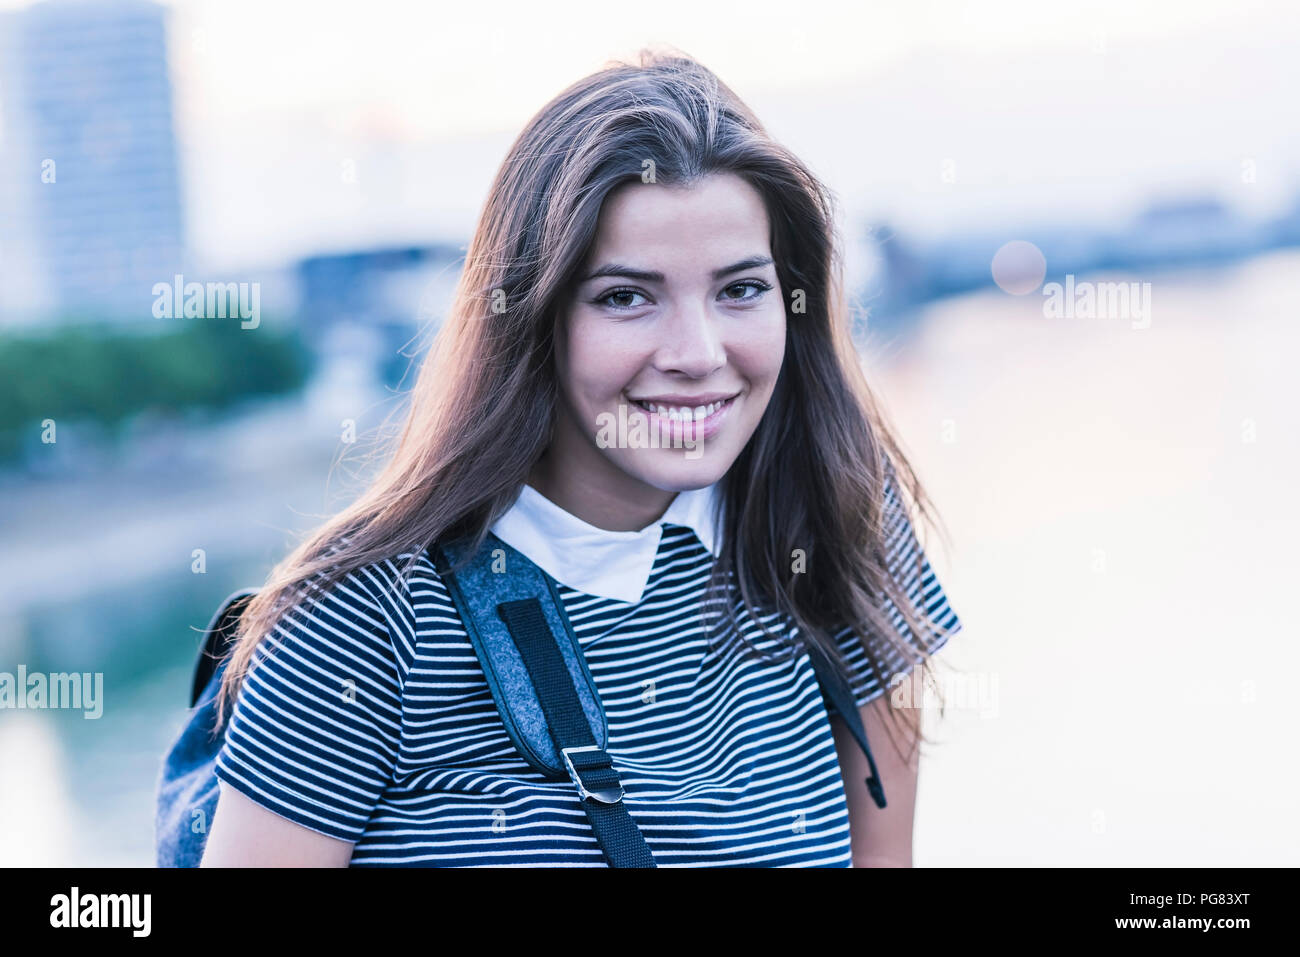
(686, 400)
(694, 431)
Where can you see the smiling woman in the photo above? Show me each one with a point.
(711, 584)
(698, 347)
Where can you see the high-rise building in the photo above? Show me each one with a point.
(90, 204)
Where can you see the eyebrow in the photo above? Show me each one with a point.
(645, 275)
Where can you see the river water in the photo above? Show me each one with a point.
(1122, 527)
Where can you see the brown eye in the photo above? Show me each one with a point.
(758, 287)
(608, 299)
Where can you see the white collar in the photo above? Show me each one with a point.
(593, 560)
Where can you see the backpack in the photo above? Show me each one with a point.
(538, 678)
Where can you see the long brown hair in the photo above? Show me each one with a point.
(811, 478)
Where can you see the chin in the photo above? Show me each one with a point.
(676, 473)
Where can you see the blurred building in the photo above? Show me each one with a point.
(90, 199)
(1165, 234)
(1286, 228)
(379, 305)
(1180, 231)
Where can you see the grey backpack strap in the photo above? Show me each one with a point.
(540, 682)
(836, 687)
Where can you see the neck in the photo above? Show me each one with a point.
(615, 502)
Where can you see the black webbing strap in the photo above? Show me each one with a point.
(589, 766)
(842, 697)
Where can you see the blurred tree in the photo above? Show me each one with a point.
(107, 375)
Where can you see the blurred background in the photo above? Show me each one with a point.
(1072, 233)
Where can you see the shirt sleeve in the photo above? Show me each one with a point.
(315, 729)
(910, 569)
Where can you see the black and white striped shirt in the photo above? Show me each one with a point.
(371, 720)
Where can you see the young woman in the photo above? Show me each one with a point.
(647, 255)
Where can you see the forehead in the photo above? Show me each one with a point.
(720, 216)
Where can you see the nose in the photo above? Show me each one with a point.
(691, 344)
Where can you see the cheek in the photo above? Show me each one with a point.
(759, 353)
(598, 365)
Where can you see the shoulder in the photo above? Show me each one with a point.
(918, 586)
(315, 731)
(895, 508)
(900, 544)
(366, 618)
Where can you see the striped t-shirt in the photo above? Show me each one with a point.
(370, 720)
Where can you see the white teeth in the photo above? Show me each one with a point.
(682, 413)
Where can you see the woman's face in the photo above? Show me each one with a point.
(672, 341)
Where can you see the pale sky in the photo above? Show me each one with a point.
(1043, 110)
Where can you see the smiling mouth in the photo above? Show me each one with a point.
(683, 413)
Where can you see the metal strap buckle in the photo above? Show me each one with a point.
(604, 795)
